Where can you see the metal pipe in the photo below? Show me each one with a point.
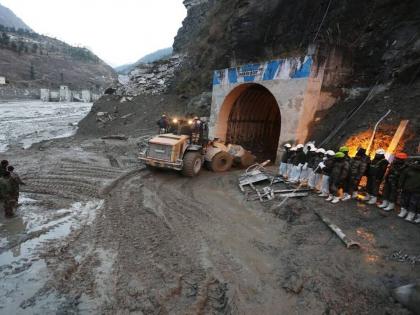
(374, 131)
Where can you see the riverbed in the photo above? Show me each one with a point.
(23, 123)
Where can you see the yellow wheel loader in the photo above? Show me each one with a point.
(176, 152)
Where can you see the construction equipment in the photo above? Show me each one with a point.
(177, 152)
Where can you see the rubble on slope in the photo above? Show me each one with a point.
(152, 78)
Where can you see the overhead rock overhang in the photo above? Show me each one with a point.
(262, 106)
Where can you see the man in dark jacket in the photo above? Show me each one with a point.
(314, 180)
(326, 167)
(338, 177)
(409, 184)
(7, 202)
(298, 161)
(358, 167)
(390, 194)
(3, 167)
(15, 182)
(307, 168)
(284, 159)
(163, 124)
(376, 173)
(291, 157)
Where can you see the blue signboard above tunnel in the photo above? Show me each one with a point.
(281, 69)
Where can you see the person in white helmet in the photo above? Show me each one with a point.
(298, 162)
(315, 177)
(376, 173)
(308, 171)
(309, 151)
(409, 184)
(284, 159)
(290, 162)
(326, 168)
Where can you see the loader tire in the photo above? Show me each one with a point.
(221, 162)
(192, 164)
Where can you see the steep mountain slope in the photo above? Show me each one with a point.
(155, 56)
(378, 41)
(9, 19)
(30, 61)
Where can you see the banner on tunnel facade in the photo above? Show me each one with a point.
(281, 69)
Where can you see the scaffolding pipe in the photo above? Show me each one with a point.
(374, 131)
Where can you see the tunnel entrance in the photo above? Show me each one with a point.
(255, 122)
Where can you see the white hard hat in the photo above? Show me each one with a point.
(287, 145)
(313, 149)
(330, 152)
(380, 151)
(293, 149)
(321, 150)
(299, 146)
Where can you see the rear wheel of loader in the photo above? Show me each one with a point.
(221, 162)
(192, 164)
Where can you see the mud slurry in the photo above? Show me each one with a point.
(98, 233)
(60, 200)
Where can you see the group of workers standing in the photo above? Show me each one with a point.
(9, 188)
(329, 173)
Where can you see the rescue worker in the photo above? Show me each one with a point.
(15, 182)
(358, 167)
(3, 167)
(326, 167)
(7, 202)
(409, 184)
(163, 124)
(298, 161)
(315, 177)
(292, 155)
(307, 166)
(390, 194)
(346, 187)
(310, 164)
(375, 175)
(338, 177)
(196, 130)
(284, 159)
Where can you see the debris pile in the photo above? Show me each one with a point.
(399, 256)
(257, 174)
(151, 78)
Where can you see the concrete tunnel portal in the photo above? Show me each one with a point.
(250, 117)
(263, 106)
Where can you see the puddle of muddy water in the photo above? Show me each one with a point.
(24, 123)
(22, 272)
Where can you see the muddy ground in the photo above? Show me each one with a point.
(98, 233)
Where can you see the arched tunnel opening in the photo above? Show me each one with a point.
(254, 122)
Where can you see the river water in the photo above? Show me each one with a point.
(23, 123)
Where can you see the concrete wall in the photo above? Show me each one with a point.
(296, 90)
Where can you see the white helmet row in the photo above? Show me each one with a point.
(299, 146)
(293, 149)
(287, 145)
(330, 152)
(321, 150)
(380, 151)
(313, 149)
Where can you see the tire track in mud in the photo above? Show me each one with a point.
(151, 247)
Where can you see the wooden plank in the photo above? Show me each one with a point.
(397, 136)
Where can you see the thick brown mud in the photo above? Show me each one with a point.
(98, 233)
